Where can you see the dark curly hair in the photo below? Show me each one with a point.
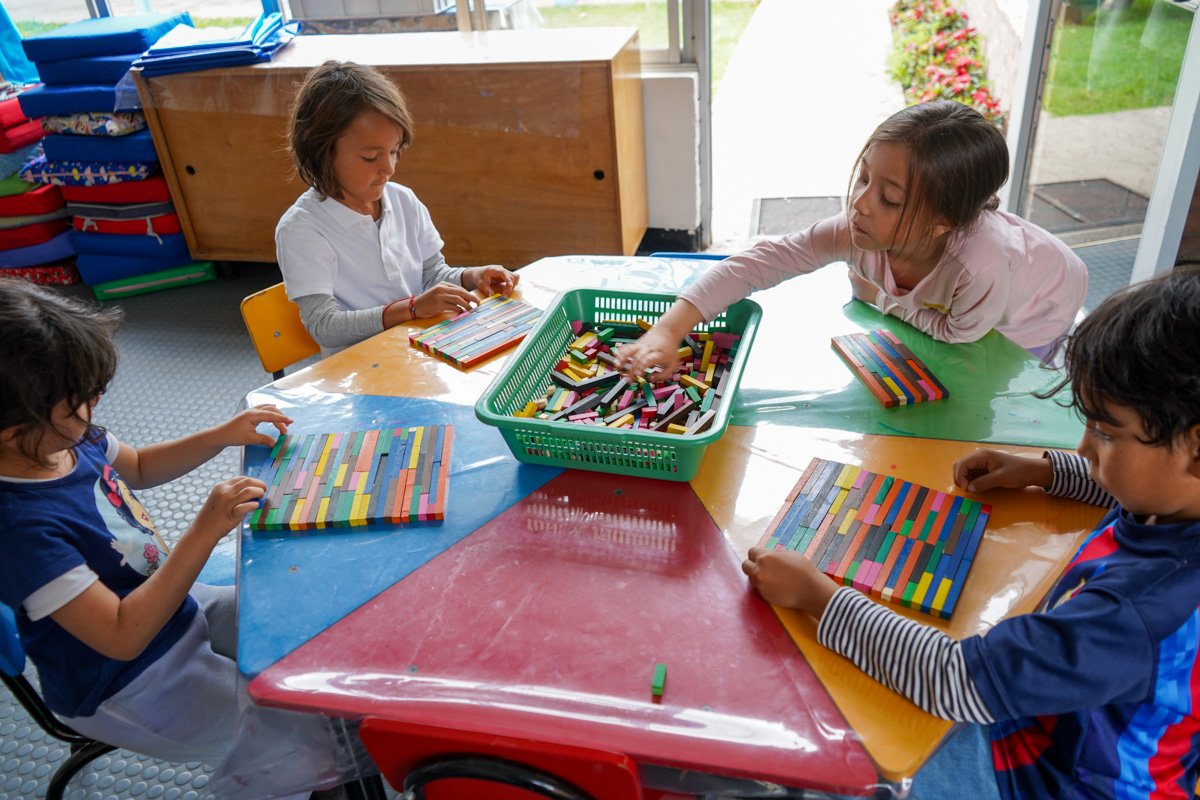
(1140, 349)
(55, 348)
(330, 98)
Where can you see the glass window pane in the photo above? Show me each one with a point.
(648, 16)
(223, 12)
(1106, 103)
(38, 16)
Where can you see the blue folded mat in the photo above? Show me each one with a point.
(56, 249)
(96, 269)
(137, 146)
(90, 70)
(187, 49)
(165, 246)
(102, 36)
(45, 101)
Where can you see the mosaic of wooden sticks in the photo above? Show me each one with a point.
(322, 480)
(493, 325)
(889, 538)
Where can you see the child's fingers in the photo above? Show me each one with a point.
(272, 415)
(242, 509)
(457, 297)
(962, 473)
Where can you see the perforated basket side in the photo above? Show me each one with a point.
(522, 377)
(557, 443)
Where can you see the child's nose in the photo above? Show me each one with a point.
(1084, 448)
(858, 203)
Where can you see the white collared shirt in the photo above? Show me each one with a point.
(323, 247)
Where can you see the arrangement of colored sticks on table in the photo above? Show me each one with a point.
(324, 480)
(889, 538)
(495, 324)
(586, 387)
(889, 369)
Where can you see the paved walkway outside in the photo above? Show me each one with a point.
(800, 96)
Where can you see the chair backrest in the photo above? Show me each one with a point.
(273, 322)
(12, 654)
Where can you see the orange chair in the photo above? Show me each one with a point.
(279, 337)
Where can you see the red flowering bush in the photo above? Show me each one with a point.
(938, 55)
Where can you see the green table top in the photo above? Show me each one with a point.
(794, 376)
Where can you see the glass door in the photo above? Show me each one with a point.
(1109, 84)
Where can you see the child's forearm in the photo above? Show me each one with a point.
(160, 463)
(680, 320)
(144, 612)
(166, 461)
(938, 325)
(1070, 478)
(330, 325)
(917, 661)
(121, 628)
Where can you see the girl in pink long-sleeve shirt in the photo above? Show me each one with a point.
(923, 241)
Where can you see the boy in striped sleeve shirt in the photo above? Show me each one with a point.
(1094, 695)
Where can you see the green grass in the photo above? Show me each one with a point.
(729, 19)
(33, 28)
(1117, 60)
(221, 22)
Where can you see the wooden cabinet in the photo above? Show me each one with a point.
(527, 143)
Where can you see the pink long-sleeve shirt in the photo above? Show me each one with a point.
(1004, 273)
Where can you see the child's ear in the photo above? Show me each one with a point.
(1191, 441)
(8, 435)
(941, 226)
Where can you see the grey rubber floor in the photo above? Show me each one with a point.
(186, 362)
(1109, 266)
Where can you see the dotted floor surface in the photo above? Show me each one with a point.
(186, 362)
(1109, 265)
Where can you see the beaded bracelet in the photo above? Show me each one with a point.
(412, 306)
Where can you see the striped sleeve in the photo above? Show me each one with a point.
(1071, 480)
(920, 662)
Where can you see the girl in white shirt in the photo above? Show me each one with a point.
(359, 253)
(923, 241)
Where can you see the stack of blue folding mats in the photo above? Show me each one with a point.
(83, 60)
(81, 65)
(138, 146)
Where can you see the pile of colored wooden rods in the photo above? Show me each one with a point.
(495, 324)
(586, 387)
(889, 538)
(889, 369)
(323, 480)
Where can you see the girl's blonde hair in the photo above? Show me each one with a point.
(957, 161)
(330, 98)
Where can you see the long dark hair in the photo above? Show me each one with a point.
(957, 161)
(55, 348)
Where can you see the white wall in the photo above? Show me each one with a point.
(670, 96)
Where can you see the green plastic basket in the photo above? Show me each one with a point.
(623, 451)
